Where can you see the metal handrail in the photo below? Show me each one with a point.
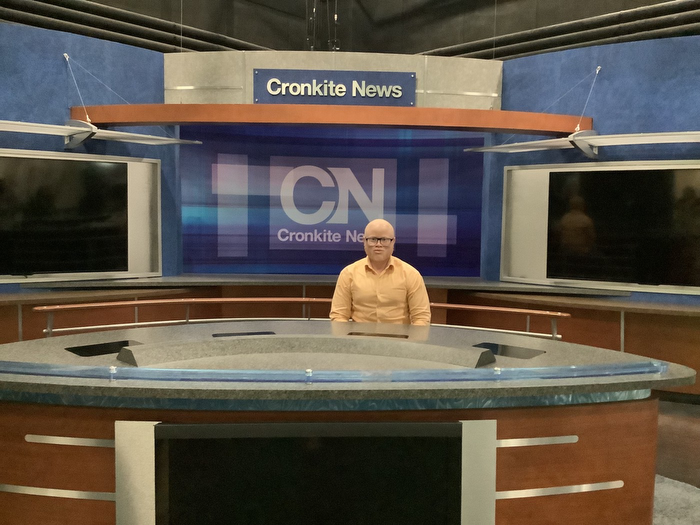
(50, 310)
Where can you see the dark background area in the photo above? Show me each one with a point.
(386, 26)
(475, 28)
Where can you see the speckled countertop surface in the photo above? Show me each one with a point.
(44, 371)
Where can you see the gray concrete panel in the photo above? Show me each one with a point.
(462, 83)
(205, 78)
(227, 77)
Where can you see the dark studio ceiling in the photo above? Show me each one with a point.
(498, 29)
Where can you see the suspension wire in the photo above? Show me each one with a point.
(574, 87)
(328, 23)
(69, 60)
(306, 20)
(93, 76)
(82, 102)
(336, 44)
(578, 126)
(313, 43)
(495, 18)
(181, 22)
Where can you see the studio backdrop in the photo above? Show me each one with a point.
(296, 199)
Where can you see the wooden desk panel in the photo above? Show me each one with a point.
(669, 338)
(661, 331)
(617, 441)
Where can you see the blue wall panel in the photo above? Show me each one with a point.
(36, 85)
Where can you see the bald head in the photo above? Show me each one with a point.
(379, 228)
(379, 253)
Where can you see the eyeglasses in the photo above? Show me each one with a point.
(384, 241)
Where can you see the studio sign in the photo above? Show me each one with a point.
(305, 86)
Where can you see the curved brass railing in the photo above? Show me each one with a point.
(50, 310)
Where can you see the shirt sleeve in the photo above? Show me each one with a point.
(341, 305)
(418, 301)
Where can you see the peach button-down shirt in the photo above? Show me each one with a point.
(396, 295)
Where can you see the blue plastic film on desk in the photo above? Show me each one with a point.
(334, 376)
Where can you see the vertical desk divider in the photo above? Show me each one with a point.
(479, 472)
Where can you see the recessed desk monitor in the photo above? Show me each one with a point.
(319, 473)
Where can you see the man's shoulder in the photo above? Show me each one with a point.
(355, 265)
(399, 263)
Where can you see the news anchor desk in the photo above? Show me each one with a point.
(571, 428)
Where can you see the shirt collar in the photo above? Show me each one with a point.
(390, 265)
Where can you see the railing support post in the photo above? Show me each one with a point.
(49, 324)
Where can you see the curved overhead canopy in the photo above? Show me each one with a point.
(482, 120)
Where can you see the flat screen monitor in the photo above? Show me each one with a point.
(616, 225)
(310, 474)
(635, 226)
(62, 216)
(70, 215)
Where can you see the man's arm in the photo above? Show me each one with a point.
(418, 300)
(341, 305)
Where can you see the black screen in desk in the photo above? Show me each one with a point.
(309, 480)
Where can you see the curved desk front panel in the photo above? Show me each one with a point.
(574, 427)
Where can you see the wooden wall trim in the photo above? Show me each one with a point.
(439, 118)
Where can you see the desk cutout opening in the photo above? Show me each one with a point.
(396, 336)
(111, 347)
(517, 352)
(239, 334)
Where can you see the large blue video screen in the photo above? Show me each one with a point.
(275, 199)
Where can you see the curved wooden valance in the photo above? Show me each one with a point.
(481, 120)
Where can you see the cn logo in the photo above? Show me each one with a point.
(333, 212)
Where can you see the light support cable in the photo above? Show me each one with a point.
(597, 71)
(70, 59)
(578, 126)
(82, 102)
(495, 25)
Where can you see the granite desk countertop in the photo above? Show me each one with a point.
(321, 365)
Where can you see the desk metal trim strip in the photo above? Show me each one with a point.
(529, 442)
(58, 493)
(70, 441)
(555, 491)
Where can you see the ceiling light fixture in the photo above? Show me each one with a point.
(75, 132)
(588, 142)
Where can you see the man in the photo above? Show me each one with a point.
(380, 288)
